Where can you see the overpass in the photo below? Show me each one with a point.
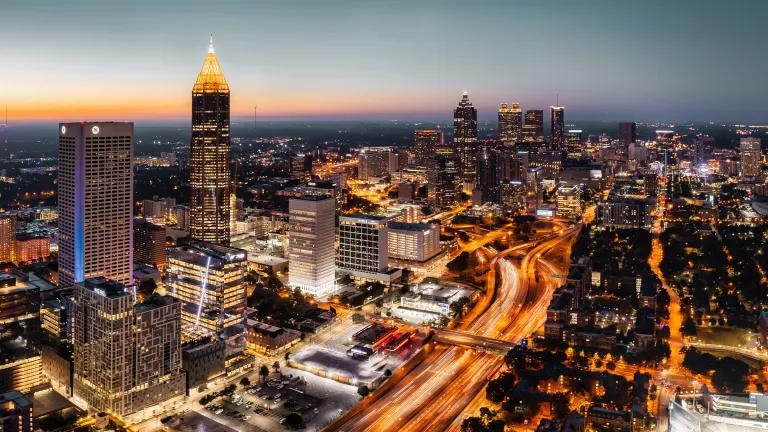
(469, 340)
(752, 354)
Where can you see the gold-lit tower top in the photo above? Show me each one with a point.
(211, 78)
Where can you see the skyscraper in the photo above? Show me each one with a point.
(441, 179)
(627, 133)
(488, 181)
(557, 117)
(465, 139)
(209, 154)
(426, 143)
(751, 155)
(311, 235)
(7, 238)
(363, 247)
(95, 202)
(533, 130)
(127, 356)
(506, 124)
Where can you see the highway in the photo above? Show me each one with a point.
(448, 384)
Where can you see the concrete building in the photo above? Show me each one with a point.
(7, 238)
(270, 340)
(311, 236)
(127, 355)
(362, 246)
(15, 412)
(373, 162)
(149, 244)
(426, 142)
(32, 248)
(413, 241)
(95, 202)
(568, 200)
(751, 158)
(20, 362)
(209, 281)
(625, 213)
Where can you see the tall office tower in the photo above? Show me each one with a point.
(517, 122)
(441, 180)
(703, 145)
(506, 124)
(95, 202)
(149, 244)
(15, 412)
(573, 142)
(373, 162)
(557, 117)
(209, 280)
(426, 143)
(20, 361)
(127, 355)
(488, 181)
(533, 130)
(311, 235)
(465, 139)
(363, 247)
(7, 238)
(627, 133)
(751, 156)
(209, 154)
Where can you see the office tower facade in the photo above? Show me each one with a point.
(7, 238)
(32, 248)
(426, 142)
(209, 154)
(441, 178)
(488, 181)
(15, 412)
(149, 244)
(311, 236)
(127, 355)
(363, 246)
(557, 127)
(751, 157)
(627, 133)
(413, 241)
(465, 140)
(568, 200)
(95, 202)
(533, 129)
(573, 142)
(373, 162)
(20, 361)
(209, 281)
(506, 125)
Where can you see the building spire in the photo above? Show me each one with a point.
(210, 46)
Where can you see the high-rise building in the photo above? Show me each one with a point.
(209, 154)
(311, 235)
(373, 162)
(506, 124)
(209, 281)
(95, 202)
(627, 133)
(413, 241)
(488, 181)
(533, 129)
(426, 143)
(127, 355)
(149, 244)
(751, 156)
(32, 248)
(363, 247)
(15, 412)
(441, 178)
(557, 118)
(573, 142)
(465, 140)
(20, 360)
(7, 238)
(568, 200)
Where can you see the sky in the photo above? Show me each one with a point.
(681, 60)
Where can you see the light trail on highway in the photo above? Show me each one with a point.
(448, 384)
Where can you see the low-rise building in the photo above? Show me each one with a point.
(268, 339)
(15, 412)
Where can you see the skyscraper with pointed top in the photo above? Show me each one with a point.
(465, 140)
(209, 154)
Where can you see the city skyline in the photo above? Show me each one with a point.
(334, 62)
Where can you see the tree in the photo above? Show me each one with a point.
(263, 372)
(387, 373)
(294, 421)
(363, 391)
(287, 356)
(473, 424)
(245, 382)
(276, 366)
(495, 391)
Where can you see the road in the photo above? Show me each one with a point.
(445, 387)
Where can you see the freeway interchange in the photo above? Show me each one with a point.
(446, 383)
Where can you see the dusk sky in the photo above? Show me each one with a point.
(607, 59)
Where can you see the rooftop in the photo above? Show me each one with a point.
(211, 77)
